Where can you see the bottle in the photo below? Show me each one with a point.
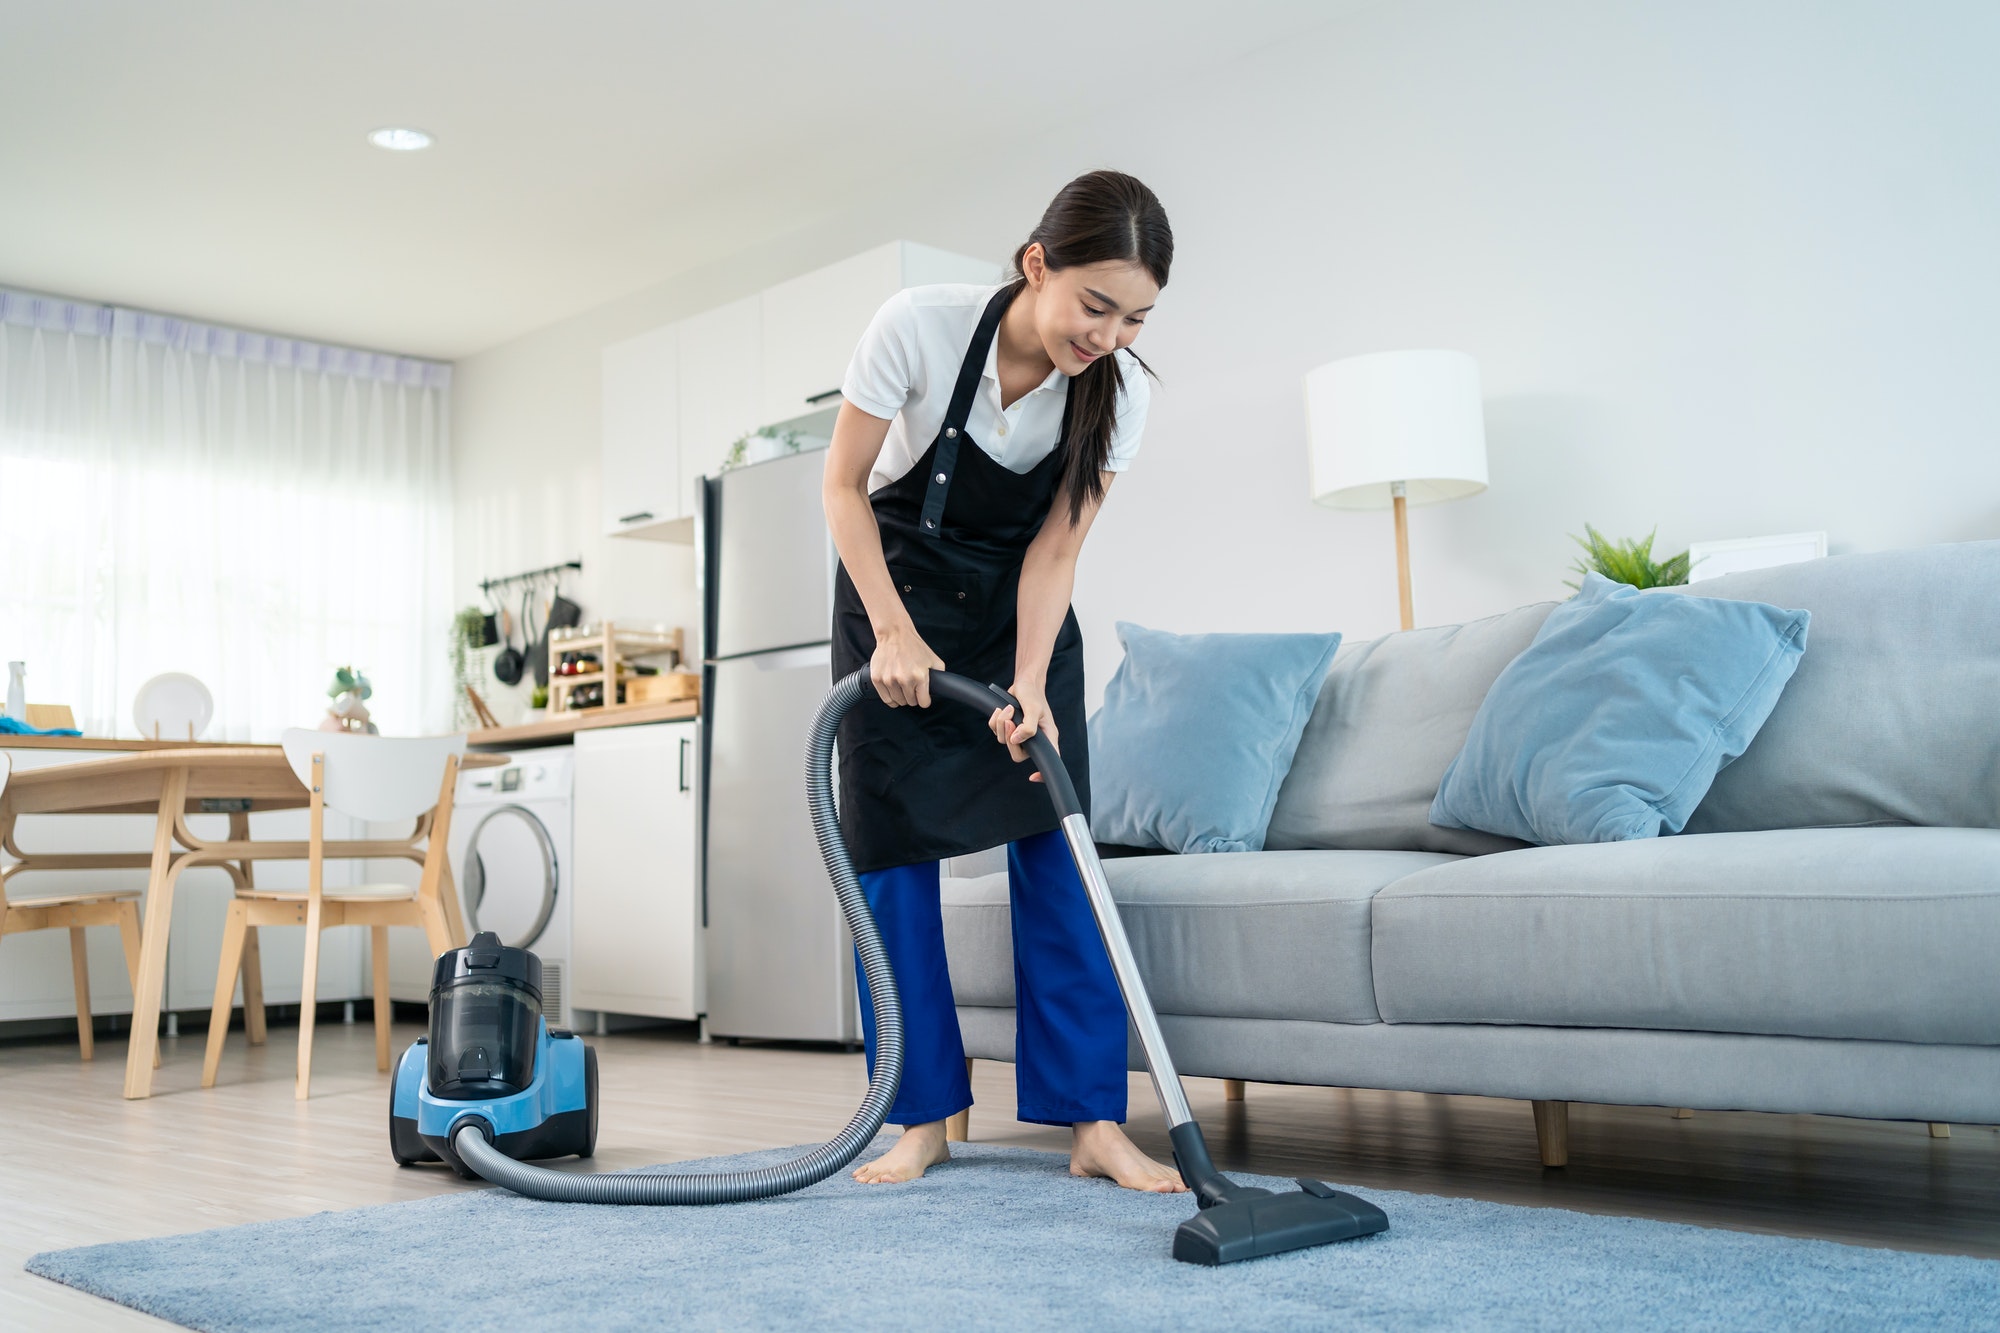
(17, 691)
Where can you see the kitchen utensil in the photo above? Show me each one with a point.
(563, 613)
(508, 663)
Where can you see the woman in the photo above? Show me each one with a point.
(980, 432)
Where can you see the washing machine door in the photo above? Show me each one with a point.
(510, 876)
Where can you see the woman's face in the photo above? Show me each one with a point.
(1088, 310)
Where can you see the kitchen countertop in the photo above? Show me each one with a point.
(556, 730)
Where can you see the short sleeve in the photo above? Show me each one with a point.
(1134, 397)
(881, 377)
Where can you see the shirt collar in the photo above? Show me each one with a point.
(992, 372)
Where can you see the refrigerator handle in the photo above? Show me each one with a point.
(684, 763)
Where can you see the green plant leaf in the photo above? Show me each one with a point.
(1627, 561)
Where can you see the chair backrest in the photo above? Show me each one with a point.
(374, 777)
(6, 767)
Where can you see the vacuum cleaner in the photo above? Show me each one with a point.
(493, 1084)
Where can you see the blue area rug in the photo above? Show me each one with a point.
(1002, 1238)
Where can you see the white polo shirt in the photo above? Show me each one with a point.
(907, 364)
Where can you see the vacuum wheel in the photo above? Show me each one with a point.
(589, 1102)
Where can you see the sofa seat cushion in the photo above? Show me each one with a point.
(1232, 934)
(1885, 934)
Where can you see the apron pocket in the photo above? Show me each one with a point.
(939, 606)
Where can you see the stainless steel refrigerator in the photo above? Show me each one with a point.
(780, 961)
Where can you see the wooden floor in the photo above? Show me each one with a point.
(82, 1165)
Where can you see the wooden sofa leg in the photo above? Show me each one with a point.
(1940, 1130)
(958, 1128)
(1552, 1132)
(1684, 1113)
(1232, 1090)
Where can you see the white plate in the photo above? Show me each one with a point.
(173, 706)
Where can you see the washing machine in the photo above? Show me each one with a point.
(510, 854)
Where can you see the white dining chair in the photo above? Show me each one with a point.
(367, 778)
(74, 911)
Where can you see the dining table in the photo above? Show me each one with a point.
(172, 784)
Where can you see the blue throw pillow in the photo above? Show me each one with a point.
(1615, 720)
(1197, 732)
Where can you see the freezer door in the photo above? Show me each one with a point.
(780, 961)
(773, 573)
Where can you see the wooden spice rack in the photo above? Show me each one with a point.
(615, 645)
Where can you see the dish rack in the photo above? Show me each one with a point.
(616, 647)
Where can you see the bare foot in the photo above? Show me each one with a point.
(1100, 1148)
(921, 1148)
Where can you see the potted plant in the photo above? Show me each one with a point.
(1627, 561)
(766, 442)
(468, 629)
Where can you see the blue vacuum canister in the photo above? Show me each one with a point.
(491, 1064)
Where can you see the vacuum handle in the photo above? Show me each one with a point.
(1041, 750)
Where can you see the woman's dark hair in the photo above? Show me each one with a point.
(1099, 216)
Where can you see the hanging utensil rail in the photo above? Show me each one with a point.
(488, 585)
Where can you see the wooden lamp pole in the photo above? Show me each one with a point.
(1400, 500)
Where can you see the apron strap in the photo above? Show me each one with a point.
(945, 460)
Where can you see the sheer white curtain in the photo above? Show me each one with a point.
(255, 511)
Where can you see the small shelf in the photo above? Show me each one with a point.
(614, 645)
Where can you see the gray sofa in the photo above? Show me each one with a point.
(1825, 937)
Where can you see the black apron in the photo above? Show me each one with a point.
(920, 784)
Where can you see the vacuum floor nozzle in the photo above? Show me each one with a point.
(1255, 1222)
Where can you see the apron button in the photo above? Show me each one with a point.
(906, 587)
(929, 523)
(940, 476)
(951, 432)
(961, 597)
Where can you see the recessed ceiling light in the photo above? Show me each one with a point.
(400, 139)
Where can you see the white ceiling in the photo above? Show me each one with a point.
(209, 158)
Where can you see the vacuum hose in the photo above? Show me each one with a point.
(470, 1139)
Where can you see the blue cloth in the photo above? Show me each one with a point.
(1069, 1039)
(1615, 720)
(14, 726)
(1197, 733)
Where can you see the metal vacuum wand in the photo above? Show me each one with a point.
(1236, 1221)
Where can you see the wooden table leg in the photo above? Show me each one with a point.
(128, 934)
(148, 991)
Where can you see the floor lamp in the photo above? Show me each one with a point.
(1393, 429)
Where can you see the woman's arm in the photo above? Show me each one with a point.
(901, 666)
(1048, 574)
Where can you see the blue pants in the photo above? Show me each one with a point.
(1069, 1031)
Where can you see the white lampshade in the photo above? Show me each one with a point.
(1410, 417)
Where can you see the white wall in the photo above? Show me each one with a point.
(1728, 269)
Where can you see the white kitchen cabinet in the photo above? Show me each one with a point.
(719, 356)
(677, 398)
(812, 322)
(636, 904)
(641, 435)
